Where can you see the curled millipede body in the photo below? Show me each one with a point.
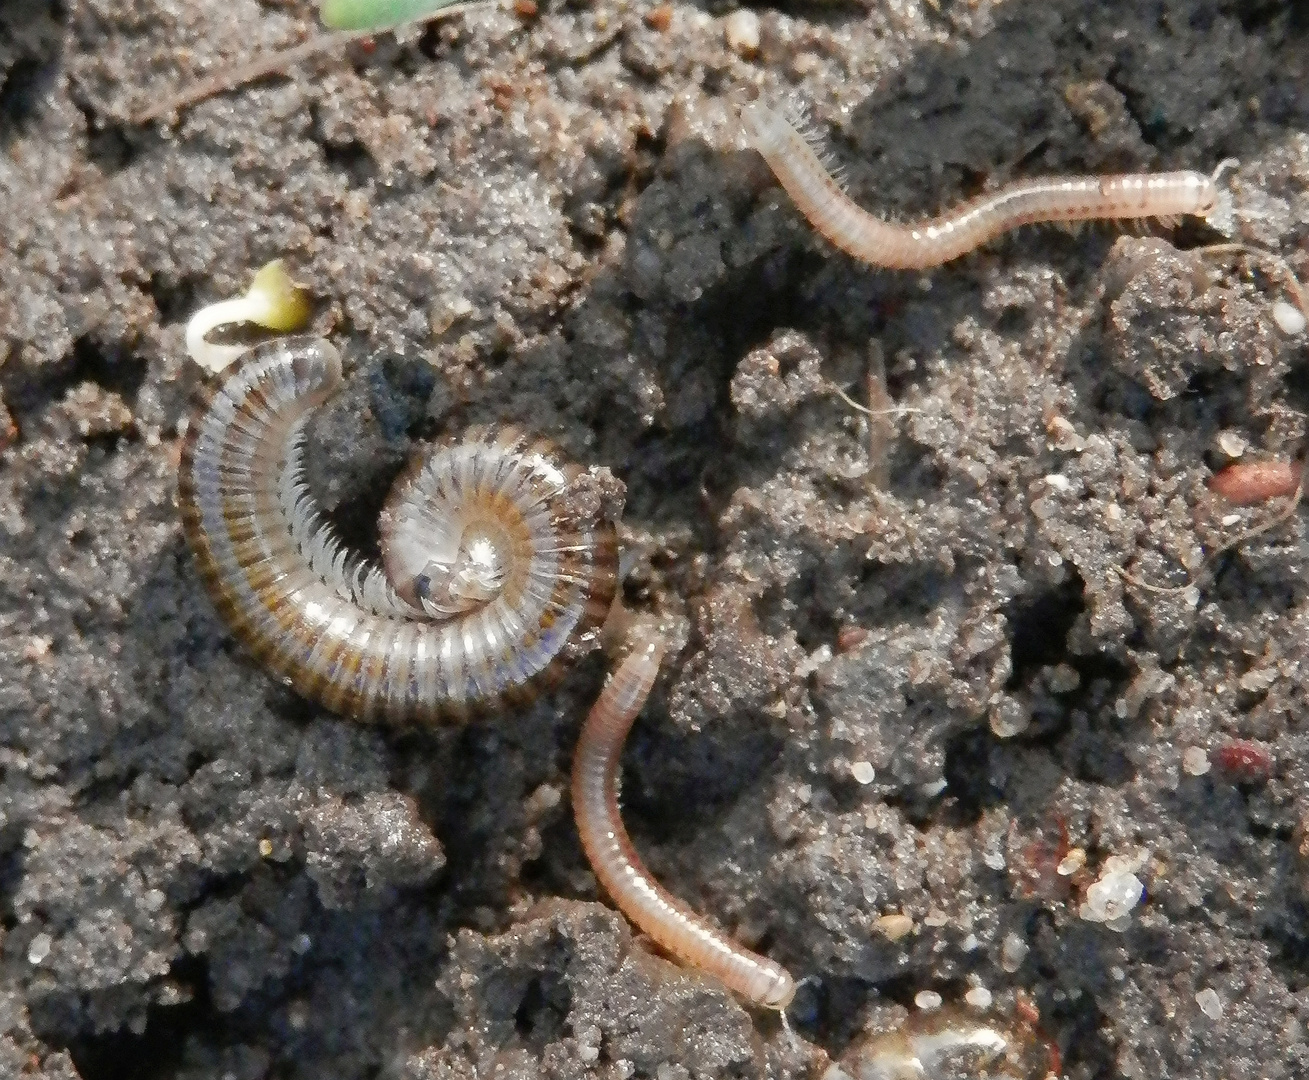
(500, 563)
(940, 239)
(667, 920)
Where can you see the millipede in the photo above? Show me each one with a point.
(499, 566)
(495, 562)
(939, 240)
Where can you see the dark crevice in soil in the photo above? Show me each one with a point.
(158, 1051)
(29, 392)
(1039, 626)
(969, 791)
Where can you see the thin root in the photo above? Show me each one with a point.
(1249, 534)
(897, 410)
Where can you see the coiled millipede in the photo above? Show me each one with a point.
(501, 564)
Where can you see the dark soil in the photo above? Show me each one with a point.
(550, 219)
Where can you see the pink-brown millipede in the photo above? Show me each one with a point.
(499, 558)
(595, 804)
(940, 239)
(500, 563)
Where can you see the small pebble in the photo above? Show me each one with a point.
(979, 997)
(1111, 899)
(39, 948)
(1195, 761)
(894, 927)
(1210, 1003)
(1013, 951)
(930, 1000)
(1072, 862)
(1231, 443)
(660, 18)
(1009, 718)
(1289, 319)
(993, 859)
(863, 772)
(37, 648)
(1062, 679)
(741, 28)
(8, 429)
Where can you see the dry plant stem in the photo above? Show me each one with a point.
(880, 430)
(938, 240)
(668, 921)
(1249, 534)
(231, 78)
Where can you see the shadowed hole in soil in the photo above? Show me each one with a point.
(542, 1015)
(969, 791)
(1288, 940)
(175, 301)
(827, 1011)
(158, 1051)
(1039, 626)
(676, 785)
(351, 160)
(19, 95)
(28, 391)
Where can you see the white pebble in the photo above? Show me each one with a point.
(979, 997)
(1210, 1003)
(1013, 951)
(39, 948)
(1112, 898)
(927, 1000)
(1072, 862)
(741, 28)
(1289, 319)
(1231, 443)
(1009, 718)
(993, 859)
(1195, 762)
(863, 772)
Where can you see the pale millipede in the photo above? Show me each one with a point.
(938, 240)
(668, 921)
(496, 558)
(500, 565)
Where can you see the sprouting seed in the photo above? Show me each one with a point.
(273, 301)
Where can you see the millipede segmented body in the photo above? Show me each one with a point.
(500, 563)
(642, 899)
(938, 240)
